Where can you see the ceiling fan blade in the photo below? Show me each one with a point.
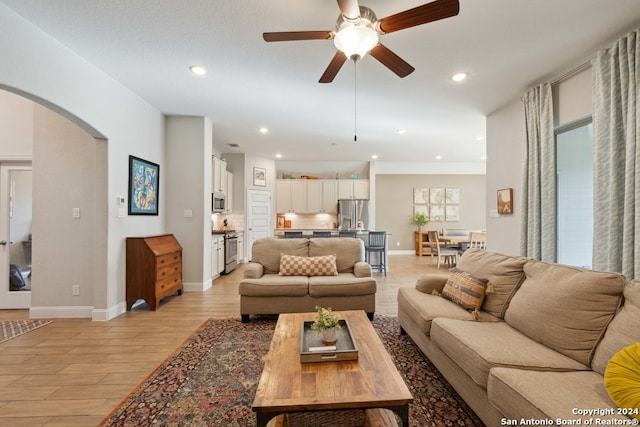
(287, 36)
(429, 12)
(391, 60)
(349, 9)
(334, 66)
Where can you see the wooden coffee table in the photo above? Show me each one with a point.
(287, 385)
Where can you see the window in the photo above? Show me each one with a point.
(574, 165)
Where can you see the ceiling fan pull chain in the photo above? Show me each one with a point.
(355, 101)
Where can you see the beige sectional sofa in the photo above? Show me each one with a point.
(540, 344)
(264, 290)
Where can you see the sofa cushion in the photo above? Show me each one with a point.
(565, 308)
(292, 265)
(344, 284)
(503, 272)
(266, 251)
(477, 347)
(431, 282)
(622, 378)
(422, 308)
(623, 330)
(348, 251)
(524, 394)
(273, 285)
(465, 289)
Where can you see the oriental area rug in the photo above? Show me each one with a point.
(13, 328)
(212, 379)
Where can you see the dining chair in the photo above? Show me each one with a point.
(449, 255)
(321, 234)
(348, 233)
(478, 240)
(377, 244)
(292, 234)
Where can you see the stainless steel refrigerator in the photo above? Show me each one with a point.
(353, 214)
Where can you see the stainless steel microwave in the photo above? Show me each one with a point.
(218, 202)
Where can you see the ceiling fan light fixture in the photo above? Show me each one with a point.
(356, 40)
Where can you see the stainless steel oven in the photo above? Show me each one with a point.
(230, 251)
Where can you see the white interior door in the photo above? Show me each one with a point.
(259, 217)
(15, 234)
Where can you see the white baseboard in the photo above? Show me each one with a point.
(109, 313)
(402, 252)
(197, 287)
(61, 312)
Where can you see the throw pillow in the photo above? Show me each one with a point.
(465, 290)
(622, 378)
(292, 265)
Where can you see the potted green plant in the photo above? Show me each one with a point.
(420, 220)
(326, 323)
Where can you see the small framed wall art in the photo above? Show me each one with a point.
(144, 182)
(260, 177)
(505, 201)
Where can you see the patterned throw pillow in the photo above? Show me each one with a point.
(291, 265)
(465, 290)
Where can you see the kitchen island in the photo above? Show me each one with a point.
(361, 234)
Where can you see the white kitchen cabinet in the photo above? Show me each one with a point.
(240, 248)
(283, 196)
(353, 189)
(291, 196)
(330, 196)
(217, 246)
(219, 175)
(220, 254)
(314, 195)
(229, 191)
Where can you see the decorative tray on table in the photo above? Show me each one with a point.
(313, 350)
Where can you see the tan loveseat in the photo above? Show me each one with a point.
(540, 344)
(264, 291)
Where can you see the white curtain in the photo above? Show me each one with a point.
(538, 199)
(616, 123)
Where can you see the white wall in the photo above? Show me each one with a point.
(16, 122)
(42, 69)
(64, 254)
(394, 205)
(505, 134)
(188, 187)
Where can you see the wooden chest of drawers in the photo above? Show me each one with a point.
(154, 269)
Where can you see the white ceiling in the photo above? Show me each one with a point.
(505, 46)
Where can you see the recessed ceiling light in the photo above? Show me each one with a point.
(264, 130)
(480, 138)
(438, 157)
(459, 77)
(483, 158)
(198, 70)
(375, 156)
(278, 156)
(402, 131)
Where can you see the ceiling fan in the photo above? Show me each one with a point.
(357, 31)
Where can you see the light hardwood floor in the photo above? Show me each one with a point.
(74, 372)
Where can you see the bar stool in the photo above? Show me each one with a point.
(321, 234)
(377, 244)
(292, 234)
(348, 233)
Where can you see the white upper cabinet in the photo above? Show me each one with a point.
(317, 196)
(219, 175)
(353, 189)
